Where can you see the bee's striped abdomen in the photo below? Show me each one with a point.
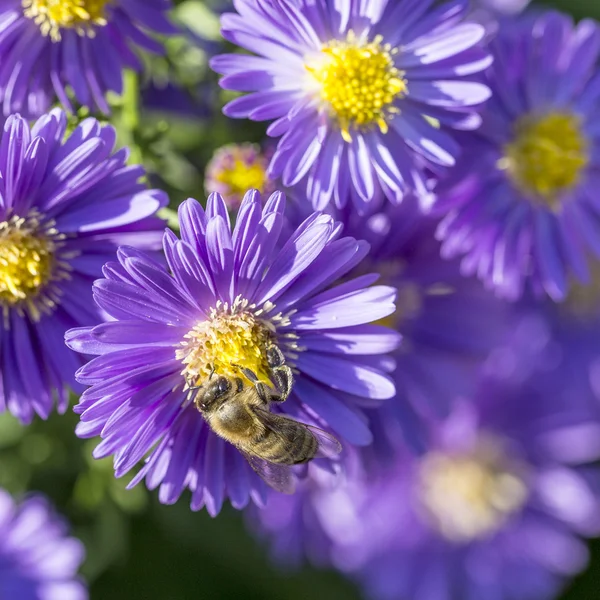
(300, 448)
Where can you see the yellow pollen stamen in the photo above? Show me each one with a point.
(469, 495)
(232, 339)
(547, 156)
(237, 168)
(28, 262)
(53, 15)
(358, 82)
(243, 177)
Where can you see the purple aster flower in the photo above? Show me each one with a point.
(520, 206)
(52, 48)
(38, 561)
(493, 509)
(364, 94)
(67, 201)
(236, 168)
(226, 298)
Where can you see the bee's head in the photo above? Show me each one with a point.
(213, 393)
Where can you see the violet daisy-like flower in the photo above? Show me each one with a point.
(520, 205)
(51, 48)
(227, 297)
(236, 168)
(38, 559)
(66, 202)
(363, 94)
(493, 509)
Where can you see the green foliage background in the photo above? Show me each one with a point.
(137, 548)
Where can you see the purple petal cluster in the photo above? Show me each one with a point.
(219, 277)
(502, 7)
(67, 200)
(363, 95)
(38, 560)
(520, 206)
(73, 53)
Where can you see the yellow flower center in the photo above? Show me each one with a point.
(54, 15)
(470, 495)
(547, 156)
(235, 169)
(242, 177)
(359, 82)
(28, 262)
(232, 339)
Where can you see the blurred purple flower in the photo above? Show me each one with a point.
(520, 206)
(235, 168)
(38, 561)
(228, 296)
(491, 12)
(493, 508)
(362, 93)
(67, 202)
(51, 49)
(502, 7)
(172, 99)
(558, 341)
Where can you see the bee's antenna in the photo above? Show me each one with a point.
(191, 387)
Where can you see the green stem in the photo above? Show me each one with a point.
(131, 113)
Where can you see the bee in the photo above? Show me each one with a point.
(271, 443)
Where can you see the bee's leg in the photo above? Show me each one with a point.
(248, 373)
(275, 357)
(261, 390)
(284, 380)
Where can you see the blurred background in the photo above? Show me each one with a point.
(138, 549)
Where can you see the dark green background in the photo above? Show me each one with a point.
(137, 548)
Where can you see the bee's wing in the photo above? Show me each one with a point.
(279, 477)
(329, 447)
